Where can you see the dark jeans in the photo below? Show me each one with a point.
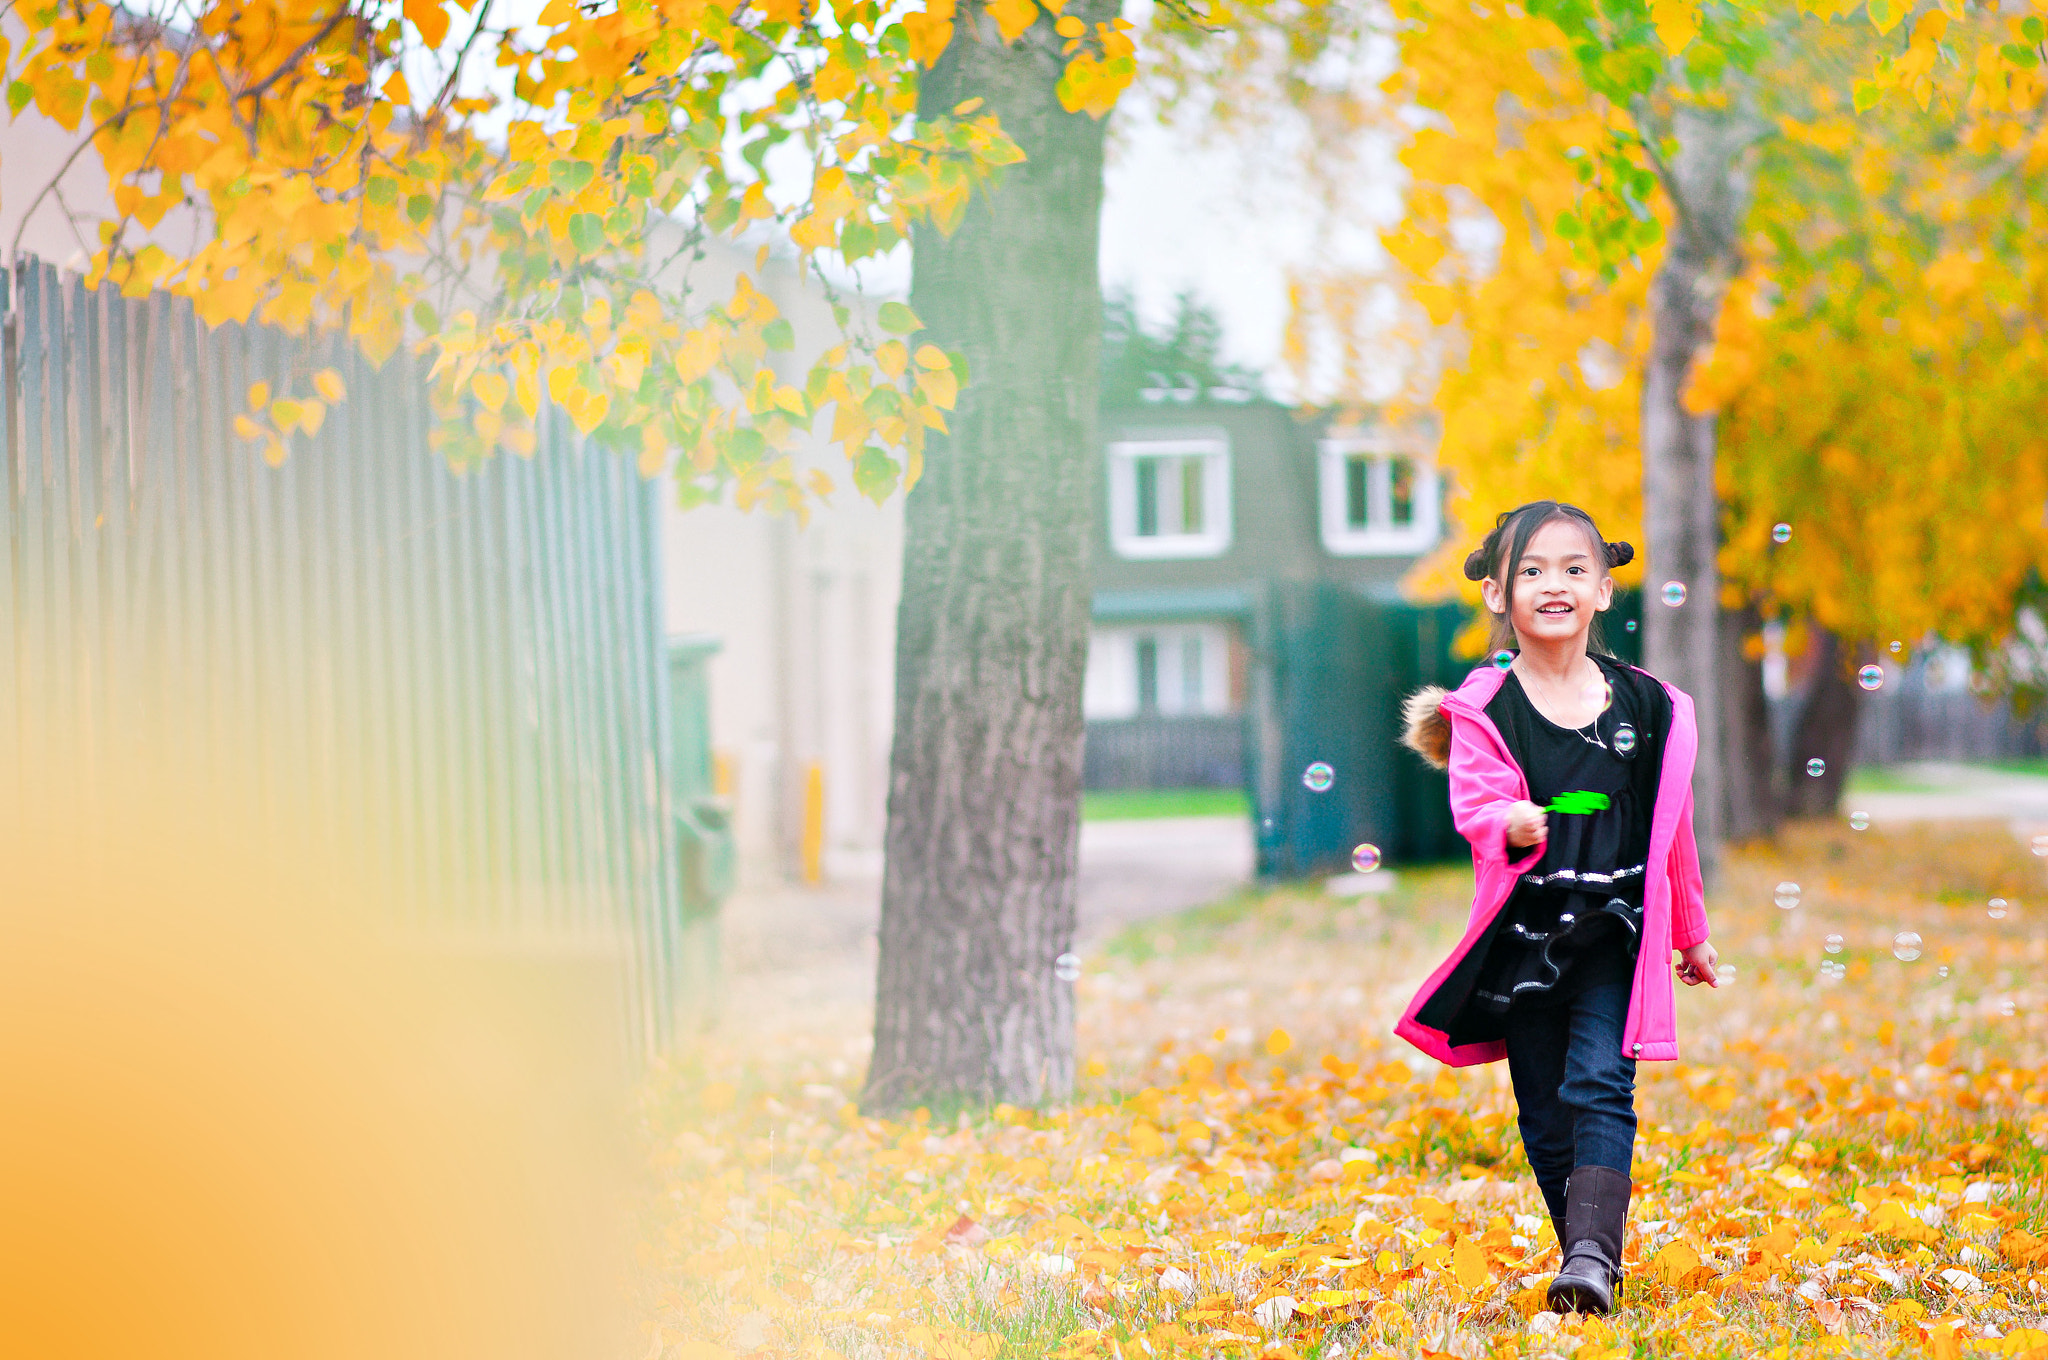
(1575, 1091)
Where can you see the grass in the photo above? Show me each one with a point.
(1115, 805)
(1887, 779)
(2033, 765)
(1253, 1167)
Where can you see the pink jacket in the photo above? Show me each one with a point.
(1485, 781)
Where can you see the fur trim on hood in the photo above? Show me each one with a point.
(1427, 732)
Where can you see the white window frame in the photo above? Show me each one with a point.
(1378, 538)
(1213, 541)
(1111, 689)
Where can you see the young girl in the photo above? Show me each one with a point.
(1571, 775)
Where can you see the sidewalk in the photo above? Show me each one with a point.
(1927, 791)
(791, 949)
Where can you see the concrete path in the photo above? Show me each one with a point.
(790, 948)
(1939, 791)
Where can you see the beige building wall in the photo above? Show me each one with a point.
(806, 615)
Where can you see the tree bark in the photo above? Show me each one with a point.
(979, 887)
(1825, 731)
(1708, 182)
(1751, 783)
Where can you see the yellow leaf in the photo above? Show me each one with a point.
(286, 413)
(396, 90)
(556, 13)
(929, 37)
(587, 410)
(1145, 1140)
(1468, 1265)
(697, 354)
(1278, 1042)
(1674, 1263)
(1012, 17)
(259, 395)
(892, 357)
(491, 389)
(940, 387)
(328, 384)
(1676, 21)
(248, 428)
(931, 356)
(312, 415)
(274, 451)
(429, 18)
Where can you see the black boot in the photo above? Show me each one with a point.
(1595, 1213)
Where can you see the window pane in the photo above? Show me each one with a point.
(1401, 492)
(1191, 673)
(1147, 470)
(1191, 473)
(1148, 674)
(1355, 469)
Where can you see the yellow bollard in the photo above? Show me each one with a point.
(813, 848)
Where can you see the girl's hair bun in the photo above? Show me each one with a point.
(1618, 555)
(1475, 565)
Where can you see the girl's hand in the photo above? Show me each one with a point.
(1698, 965)
(1527, 824)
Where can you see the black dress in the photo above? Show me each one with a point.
(1575, 917)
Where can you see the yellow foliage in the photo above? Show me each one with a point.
(326, 146)
(782, 1205)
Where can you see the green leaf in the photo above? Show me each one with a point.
(779, 334)
(571, 176)
(419, 207)
(380, 191)
(1885, 14)
(2023, 57)
(18, 95)
(746, 446)
(586, 232)
(898, 319)
(426, 317)
(2033, 29)
(874, 474)
(1865, 94)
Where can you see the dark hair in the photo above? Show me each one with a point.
(1510, 539)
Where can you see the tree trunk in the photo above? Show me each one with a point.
(1825, 731)
(1751, 763)
(1708, 182)
(979, 888)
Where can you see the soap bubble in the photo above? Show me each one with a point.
(2006, 1007)
(1832, 971)
(1318, 777)
(1365, 858)
(1630, 626)
(1833, 944)
(1624, 739)
(1786, 896)
(1870, 677)
(1597, 691)
(1906, 946)
(1724, 972)
(1941, 972)
(1067, 967)
(1674, 593)
(1895, 649)
(1996, 908)
(1859, 821)
(1503, 659)
(1781, 533)
(2041, 845)
(1816, 767)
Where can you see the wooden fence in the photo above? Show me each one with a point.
(448, 686)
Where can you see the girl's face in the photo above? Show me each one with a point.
(1558, 586)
